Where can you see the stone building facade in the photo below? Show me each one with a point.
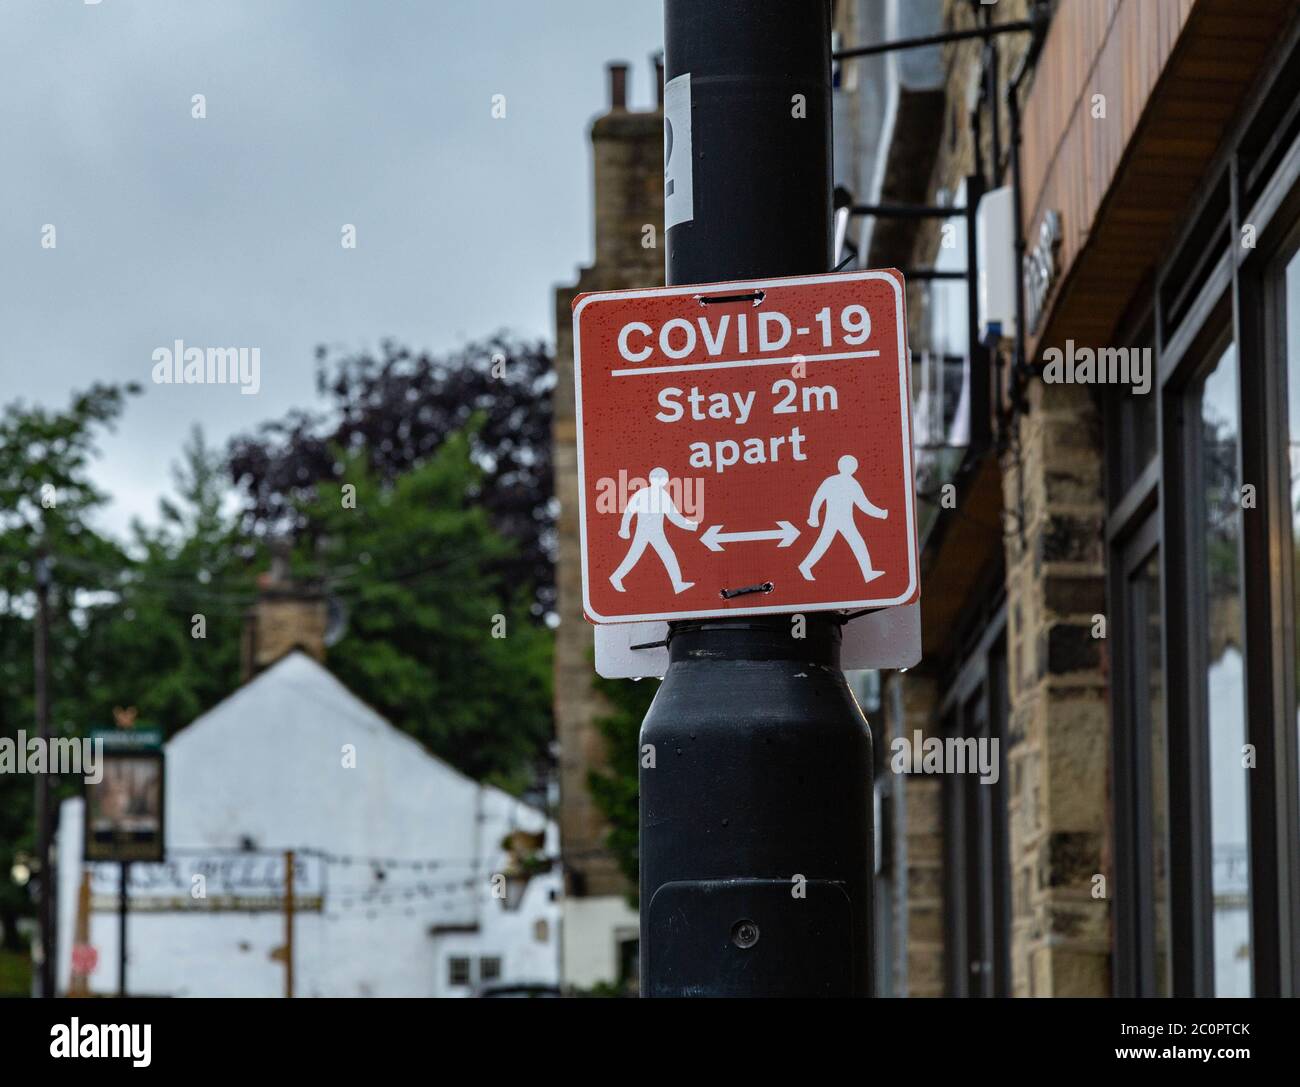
(1064, 609)
(600, 928)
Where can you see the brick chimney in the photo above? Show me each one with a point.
(288, 615)
(618, 85)
(628, 147)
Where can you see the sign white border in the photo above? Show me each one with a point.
(741, 286)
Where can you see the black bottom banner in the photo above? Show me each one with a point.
(337, 1036)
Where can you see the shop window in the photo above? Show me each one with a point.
(1223, 644)
(1139, 430)
(1151, 691)
(1133, 427)
(1203, 578)
(977, 864)
(1291, 315)
(1183, 898)
(1143, 900)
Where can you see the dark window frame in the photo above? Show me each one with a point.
(1187, 719)
(976, 825)
(1134, 949)
(1269, 548)
(453, 961)
(1234, 293)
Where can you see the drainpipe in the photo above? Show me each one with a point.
(1021, 369)
(991, 75)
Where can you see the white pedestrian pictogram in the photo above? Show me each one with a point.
(649, 506)
(842, 494)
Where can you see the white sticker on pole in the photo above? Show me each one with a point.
(679, 174)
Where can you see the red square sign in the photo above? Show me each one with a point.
(745, 448)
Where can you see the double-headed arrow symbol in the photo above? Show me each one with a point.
(714, 537)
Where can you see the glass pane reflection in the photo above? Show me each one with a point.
(1293, 448)
(1221, 532)
(1145, 588)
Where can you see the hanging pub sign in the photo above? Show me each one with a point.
(124, 808)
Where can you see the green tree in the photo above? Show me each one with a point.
(397, 407)
(46, 501)
(169, 643)
(433, 642)
(615, 788)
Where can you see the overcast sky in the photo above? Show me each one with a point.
(225, 231)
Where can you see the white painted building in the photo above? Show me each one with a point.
(400, 861)
(601, 936)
